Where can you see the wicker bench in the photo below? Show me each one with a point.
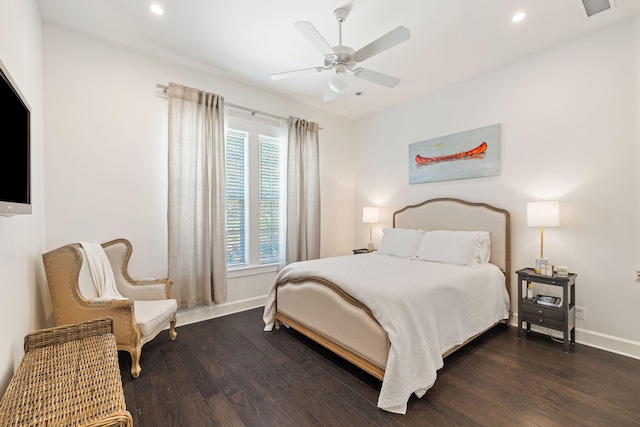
(69, 376)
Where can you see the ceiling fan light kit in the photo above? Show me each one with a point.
(343, 58)
(340, 81)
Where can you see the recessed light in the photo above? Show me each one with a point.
(518, 17)
(156, 8)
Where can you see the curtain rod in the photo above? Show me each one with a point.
(165, 90)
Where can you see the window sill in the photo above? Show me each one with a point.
(251, 270)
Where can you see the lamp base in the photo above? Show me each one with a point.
(539, 263)
(370, 246)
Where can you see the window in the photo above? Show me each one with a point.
(255, 193)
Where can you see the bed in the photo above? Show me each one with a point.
(396, 313)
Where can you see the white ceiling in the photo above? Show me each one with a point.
(248, 40)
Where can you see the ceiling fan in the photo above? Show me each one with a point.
(343, 58)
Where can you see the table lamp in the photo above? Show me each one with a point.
(370, 215)
(542, 214)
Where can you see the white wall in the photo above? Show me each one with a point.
(106, 154)
(22, 236)
(570, 131)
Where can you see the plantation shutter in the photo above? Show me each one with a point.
(269, 199)
(236, 224)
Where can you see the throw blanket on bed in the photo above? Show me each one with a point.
(101, 272)
(426, 309)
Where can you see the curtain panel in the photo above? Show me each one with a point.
(196, 199)
(303, 191)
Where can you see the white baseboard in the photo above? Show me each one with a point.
(597, 340)
(186, 316)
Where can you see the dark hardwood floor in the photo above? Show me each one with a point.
(228, 372)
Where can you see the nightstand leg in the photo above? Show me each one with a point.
(519, 329)
(573, 336)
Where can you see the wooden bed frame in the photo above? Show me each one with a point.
(323, 312)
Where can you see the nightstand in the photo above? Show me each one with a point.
(562, 318)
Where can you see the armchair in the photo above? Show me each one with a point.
(136, 320)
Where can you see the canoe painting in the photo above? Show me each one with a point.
(476, 153)
(469, 154)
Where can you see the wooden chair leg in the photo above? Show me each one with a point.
(135, 362)
(172, 329)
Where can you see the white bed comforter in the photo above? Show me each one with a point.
(426, 309)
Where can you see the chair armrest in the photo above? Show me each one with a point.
(119, 252)
(148, 289)
(83, 310)
(66, 333)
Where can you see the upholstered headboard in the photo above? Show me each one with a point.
(455, 214)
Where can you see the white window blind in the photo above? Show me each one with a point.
(236, 198)
(269, 195)
(255, 198)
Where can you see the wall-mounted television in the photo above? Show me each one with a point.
(15, 148)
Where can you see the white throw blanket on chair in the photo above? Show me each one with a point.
(101, 272)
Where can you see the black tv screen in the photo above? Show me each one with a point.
(15, 150)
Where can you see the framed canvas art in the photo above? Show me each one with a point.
(469, 154)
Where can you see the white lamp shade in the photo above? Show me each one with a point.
(339, 83)
(543, 214)
(370, 214)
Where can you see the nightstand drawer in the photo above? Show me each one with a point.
(539, 311)
(541, 321)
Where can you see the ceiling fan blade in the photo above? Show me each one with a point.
(294, 73)
(309, 31)
(329, 95)
(375, 77)
(389, 40)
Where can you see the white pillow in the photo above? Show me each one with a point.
(467, 248)
(485, 247)
(400, 242)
